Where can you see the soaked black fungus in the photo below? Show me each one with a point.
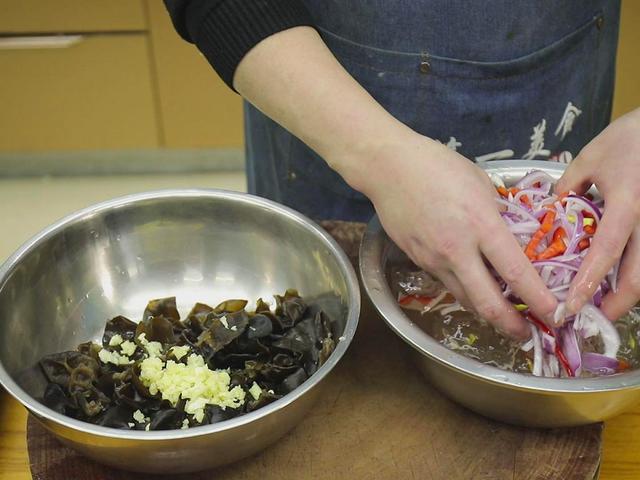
(279, 350)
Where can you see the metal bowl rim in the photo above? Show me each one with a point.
(372, 251)
(41, 411)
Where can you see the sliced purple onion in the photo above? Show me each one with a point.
(555, 366)
(558, 273)
(599, 364)
(571, 348)
(535, 176)
(597, 297)
(577, 235)
(512, 207)
(527, 346)
(548, 342)
(537, 351)
(592, 319)
(524, 228)
(554, 263)
(531, 194)
(585, 204)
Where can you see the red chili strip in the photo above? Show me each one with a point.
(557, 246)
(538, 323)
(407, 299)
(559, 353)
(545, 227)
(564, 361)
(584, 243)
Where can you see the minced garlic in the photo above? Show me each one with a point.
(127, 348)
(180, 352)
(154, 349)
(138, 416)
(195, 382)
(255, 391)
(107, 356)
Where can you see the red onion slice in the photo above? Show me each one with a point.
(537, 351)
(599, 364)
(533, 177)
(571, 348)
(592, 319)
(584, 204)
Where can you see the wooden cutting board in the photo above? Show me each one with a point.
(377, 419)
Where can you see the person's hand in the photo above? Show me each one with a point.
(436, 205)
(440, 209)
(611, 162)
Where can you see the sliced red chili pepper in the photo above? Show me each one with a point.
(584, 243)
(505, 192)
(563, 360)
(541, 325)
(623, 365)
(556, 248)
(559, 234)
(559, 353)
(407, 299)
(547, 221)
(545, 227)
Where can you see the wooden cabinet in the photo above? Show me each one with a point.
(92, 92)
(71, 16)
(197, 109)
(106, 75)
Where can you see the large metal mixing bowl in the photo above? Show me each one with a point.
(61, 286)
(510, 397)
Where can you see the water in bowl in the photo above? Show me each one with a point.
(466, 333)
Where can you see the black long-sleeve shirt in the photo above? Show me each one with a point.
(225, 30)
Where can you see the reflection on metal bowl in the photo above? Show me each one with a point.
(61, 286)
(511, 397)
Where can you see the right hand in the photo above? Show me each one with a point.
(435, 204)
(440, 209)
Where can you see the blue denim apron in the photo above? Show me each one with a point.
(492, 79)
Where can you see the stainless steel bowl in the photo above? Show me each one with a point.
(61, 286)
(510, 397)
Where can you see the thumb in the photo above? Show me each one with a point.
(576, 177)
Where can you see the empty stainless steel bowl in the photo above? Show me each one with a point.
(61, 286)
(510, 397)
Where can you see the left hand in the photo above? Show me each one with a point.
(611, 162)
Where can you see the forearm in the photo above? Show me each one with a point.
(293, 78)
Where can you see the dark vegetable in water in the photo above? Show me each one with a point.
(257, 356)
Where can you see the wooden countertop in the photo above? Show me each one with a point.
(621, 458)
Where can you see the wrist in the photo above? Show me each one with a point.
(373, 160)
